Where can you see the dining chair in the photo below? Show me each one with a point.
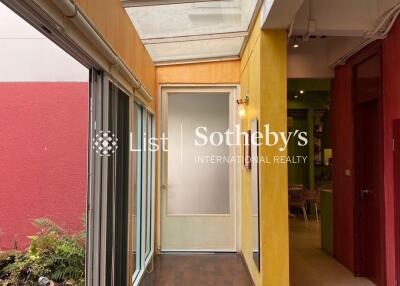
(297, 199)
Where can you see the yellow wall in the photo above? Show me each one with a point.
(111, 20)
(200, 73)
(250, 86)
(263, 79)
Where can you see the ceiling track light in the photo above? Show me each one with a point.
(295, 43)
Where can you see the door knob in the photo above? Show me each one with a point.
(364, 192)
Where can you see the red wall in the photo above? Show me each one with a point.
(391, 105)
(342, 145)
(343, 186)
(43, 157)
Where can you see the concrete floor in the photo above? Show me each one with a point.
(309, 265)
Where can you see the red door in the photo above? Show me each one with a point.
(369, 185)
(396, 170)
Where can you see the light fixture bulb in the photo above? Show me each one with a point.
(296, 97)
(295, 45)
(241, 111)
(301, 91)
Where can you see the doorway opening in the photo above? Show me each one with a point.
(336, 197)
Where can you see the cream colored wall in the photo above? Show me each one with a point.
(263, 78)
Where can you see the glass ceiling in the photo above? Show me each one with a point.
(175, 30)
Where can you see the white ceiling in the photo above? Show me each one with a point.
(28, 56)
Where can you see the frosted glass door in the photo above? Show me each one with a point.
(197, 200)
(197, 184)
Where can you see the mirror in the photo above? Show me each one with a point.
(255, 195)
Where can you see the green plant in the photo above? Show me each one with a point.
(53, 252)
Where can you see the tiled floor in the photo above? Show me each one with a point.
(198, 270)
(309, 265)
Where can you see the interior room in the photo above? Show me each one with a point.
(310, 187)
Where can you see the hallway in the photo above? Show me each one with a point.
(309, 265)
(198, 269)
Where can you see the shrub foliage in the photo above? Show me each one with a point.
(53, 253)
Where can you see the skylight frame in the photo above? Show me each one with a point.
(199, 37)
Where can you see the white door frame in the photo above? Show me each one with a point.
(234, 91)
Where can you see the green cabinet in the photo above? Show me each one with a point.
(327, 221)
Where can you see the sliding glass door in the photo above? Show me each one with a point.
(144, 188)
(121, 231)
(150, 190)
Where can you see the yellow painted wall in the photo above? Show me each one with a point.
(250, 86)
(200, 73)
(263, 78)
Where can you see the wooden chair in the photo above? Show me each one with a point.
(313, 197)
(297, 199)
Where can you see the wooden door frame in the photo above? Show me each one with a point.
(396, 186)
(370, 51)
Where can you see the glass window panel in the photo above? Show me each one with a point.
(150, 155)
(145, 181)
(211, 48)
(187, 19)
(136, 194)
(193, 187)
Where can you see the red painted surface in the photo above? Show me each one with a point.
(43, 157)
(396, 174)
(391, 103)
(343, 186)
(369, 238)
(343, 159)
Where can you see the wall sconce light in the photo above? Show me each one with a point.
(241, 106)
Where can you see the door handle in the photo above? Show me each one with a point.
(364, 192)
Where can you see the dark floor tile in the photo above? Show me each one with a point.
(198, 270)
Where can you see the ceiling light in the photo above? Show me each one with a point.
(301, 91)
(295, 43)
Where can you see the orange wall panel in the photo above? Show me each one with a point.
(200, 73)
(112, 21)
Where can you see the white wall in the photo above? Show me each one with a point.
(309, 60)
(27, 56)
